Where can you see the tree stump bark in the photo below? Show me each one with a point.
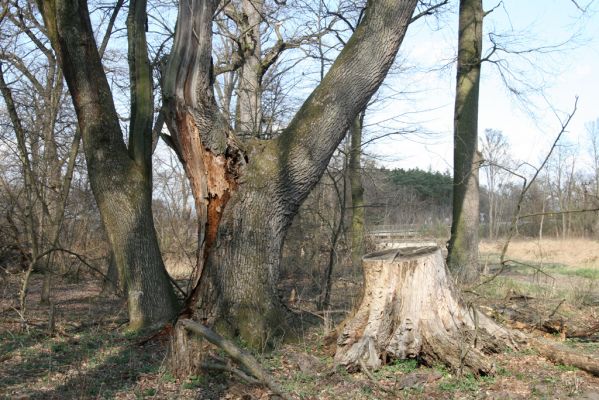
(411, 309)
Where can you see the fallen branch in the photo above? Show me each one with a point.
(375, 382)
(559, 355)
(584, 333)
(237, 354)
(224, 367)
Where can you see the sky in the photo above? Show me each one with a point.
(530, 122)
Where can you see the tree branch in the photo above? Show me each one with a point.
(307, 144)
(142, 99)
(525, 187)
(428, 11)
(108, 33)
(560, 212)
(236, 354)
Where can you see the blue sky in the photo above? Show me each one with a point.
(530, 122)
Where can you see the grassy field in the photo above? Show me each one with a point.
(578, 257)
(549, 268)
(89, 355)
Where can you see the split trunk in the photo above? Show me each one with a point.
(247, 193)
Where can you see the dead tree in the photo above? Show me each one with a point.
(411, 309)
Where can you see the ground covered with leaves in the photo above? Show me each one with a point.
(89, 354)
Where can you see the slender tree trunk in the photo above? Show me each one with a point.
(462, 258)
(357, 194)
(541, 223)
(120, 176)
(491, 212)
(248, 119)
(58, 214)
(327, 279)
(28, 187)
(58, 186)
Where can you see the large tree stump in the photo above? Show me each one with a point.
(411, 309)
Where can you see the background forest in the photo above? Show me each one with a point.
(128, 200)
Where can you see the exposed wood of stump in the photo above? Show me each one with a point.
(410, 309)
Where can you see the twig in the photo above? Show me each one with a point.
(525, 187)
(176, 285)
(556, 308)
(538, 269)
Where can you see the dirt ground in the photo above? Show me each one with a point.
(89, 354)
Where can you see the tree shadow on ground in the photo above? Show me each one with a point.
(96, 364)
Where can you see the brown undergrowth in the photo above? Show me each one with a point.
(90, 355)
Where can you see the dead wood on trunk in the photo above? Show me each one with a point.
(411, 309)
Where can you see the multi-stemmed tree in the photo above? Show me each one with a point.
(119, 173)
(247, 193)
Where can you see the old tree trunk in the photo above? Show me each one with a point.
(248, 193)
(410, 309)
(120, 174)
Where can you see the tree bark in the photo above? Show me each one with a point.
(357, 194)
(120, 176)
(462, 258)
(246, 196)
(411, 309)
(248, 118)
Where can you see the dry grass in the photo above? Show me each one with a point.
(573, 253)
(179, 268)
(91, 356)
(551, 268)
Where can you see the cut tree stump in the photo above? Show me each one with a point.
(411, 309)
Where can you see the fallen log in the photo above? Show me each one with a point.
(560, 355)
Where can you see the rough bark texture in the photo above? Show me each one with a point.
(410, 309)
(238, 288)
(246, 208)
(204, 141)
(463, 244)
(248, 118)
(119, 176)
(357, 194)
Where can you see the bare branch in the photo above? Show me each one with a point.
(428, 11)
(560, 212)
(525, 187)
(108, 33)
